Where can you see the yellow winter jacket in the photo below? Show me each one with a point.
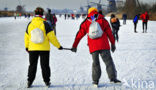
(49, 36)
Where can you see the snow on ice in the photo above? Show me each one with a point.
(135, 58)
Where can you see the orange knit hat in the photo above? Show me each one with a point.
(92, 9)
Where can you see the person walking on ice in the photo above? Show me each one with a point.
(37, 37)
(124, 17)
(51, 19)
(99, 34)
(145, 18)
(115, 23)
(135, 21)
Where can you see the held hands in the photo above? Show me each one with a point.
(61, 48)
(74, 49)
(113, 48)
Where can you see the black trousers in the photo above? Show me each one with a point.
(144, 26)
(124, 21)
(135, 26)
(110, 67)
(44, 61)
(115, 34)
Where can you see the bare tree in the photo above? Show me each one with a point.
(20, 8)
(130, 8)
(138, 3)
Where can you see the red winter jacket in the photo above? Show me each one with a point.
(101, 43)
(144, 17)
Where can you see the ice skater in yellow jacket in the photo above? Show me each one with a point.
(40, 49)
(49, 35)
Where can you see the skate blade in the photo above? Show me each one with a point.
(48, 86)
(116, 83)
(95, 85)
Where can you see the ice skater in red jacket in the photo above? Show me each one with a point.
(145, 18)
(98, 46)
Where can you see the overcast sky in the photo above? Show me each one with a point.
(55, 4)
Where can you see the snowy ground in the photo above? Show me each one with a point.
(135, 58)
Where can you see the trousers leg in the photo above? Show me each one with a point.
(96, 69)
(124, 21)
(44, 56)
(33, 59)
(117, 37)
(135, 26)
(114, 33)
(143, 26)
(110, 67)
(146, 26)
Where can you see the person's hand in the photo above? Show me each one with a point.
(61, 48)
(113, 48)
(27, 50)
(74, 49)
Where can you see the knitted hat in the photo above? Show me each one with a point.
(92, 9)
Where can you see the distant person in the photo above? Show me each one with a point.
(29, 15)
(60, 15)
(98, 44)
(115, 23)
(77, 16)
(25, 15)
(37, 40)
(135, 21)
(124, 17)
(50, 19)
(20, 15)
(73, 16)
(54, 23)
(145, 18)
(65, 16)
(15, 15)
(69, 16)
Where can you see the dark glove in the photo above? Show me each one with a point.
(74, 49)
(27, 50)
(61, 48)
(113, 48)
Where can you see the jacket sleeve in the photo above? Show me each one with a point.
(51, 35)
(141, 16)
(147, 17)
(26, 40)
(55, 19)
(52, 38)
(26, 37)
(118, 21)
(80, 34)
(109, 33)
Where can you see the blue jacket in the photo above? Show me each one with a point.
(136, 18)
